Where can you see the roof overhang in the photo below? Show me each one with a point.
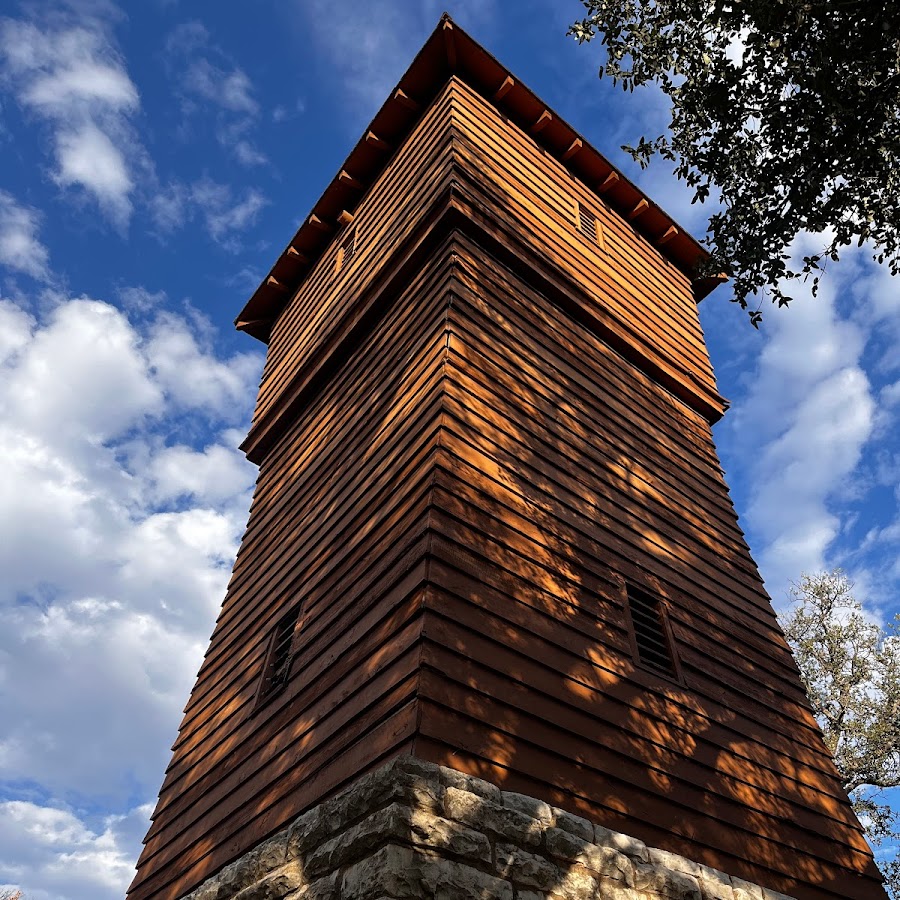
(450, 51)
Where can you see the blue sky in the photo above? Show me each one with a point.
(154, 160)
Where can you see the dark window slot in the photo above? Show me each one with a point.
(652, 642)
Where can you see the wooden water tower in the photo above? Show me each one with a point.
(491, 533)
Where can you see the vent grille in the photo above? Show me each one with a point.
(279, 657)
(653, 647)
(348, 249)
(587, 224)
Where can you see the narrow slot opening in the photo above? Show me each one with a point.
(654, 649)
(348, 249)
(279, 656)
(587, 223)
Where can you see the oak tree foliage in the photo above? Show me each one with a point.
(851, 668)
(786, 112)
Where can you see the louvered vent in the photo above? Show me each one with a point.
(654, 650)
(348, 249)
(278, 659)
(587, 223)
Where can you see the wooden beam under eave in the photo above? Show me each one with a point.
(252, 324)
(642, 206)
(375, 141)
(345, 178)
(345, 218)
(274, 283)
(296, 256)
(405, 100)
(544, 119)
(667, 236)
(316, 222)
(609, 183)
(450, 44)
(504, 89)
(574, 147)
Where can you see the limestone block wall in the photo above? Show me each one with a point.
(413, 830)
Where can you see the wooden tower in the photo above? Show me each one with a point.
(490, 529)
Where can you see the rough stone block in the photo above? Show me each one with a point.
(376, 790)
(610, 889)
(305, 832)
(573, 824)
(277, 885)
(528, 895)
(455, 881)
(407, 874)
(232, 879)
(528, 806)
(604, 861)
(624, 843)
(668, 882)
(461, 781)
(451, 837)
(392, 871)
(674, 861)
(527, 869)
(575, 884)
(746, 890)
(489, 817)
(379, 828)
(715, 884)
(769, 894)
(320, 889)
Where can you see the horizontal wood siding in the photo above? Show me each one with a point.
(339, 525)
(539, 195)
(389, 212)
(563, 474)
(459, 476)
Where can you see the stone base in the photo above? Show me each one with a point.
(412, 830)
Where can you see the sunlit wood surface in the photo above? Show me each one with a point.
(470, 438)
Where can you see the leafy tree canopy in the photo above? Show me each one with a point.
(786, 111)
(851, 668)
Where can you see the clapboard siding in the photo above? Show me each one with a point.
(470, 439)
(387, 214)
(338, 524)
(367, 448)
(587, 734)
(630, 277)
(471, 741)
(593, 657)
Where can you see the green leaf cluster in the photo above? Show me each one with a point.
(785, 112)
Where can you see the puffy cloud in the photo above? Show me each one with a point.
(116, 543)
(88, 157)
(71, 76)
(20, 248)
(58, 855)
(798, 433)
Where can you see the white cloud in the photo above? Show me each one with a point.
(88, 157)
(223, 213)
(373, 44)
(230, 90)
(247, 154)
(20, 248)
(203, 72)
(58, 855)
(116, 544)
(799, 432)
(71, 76)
